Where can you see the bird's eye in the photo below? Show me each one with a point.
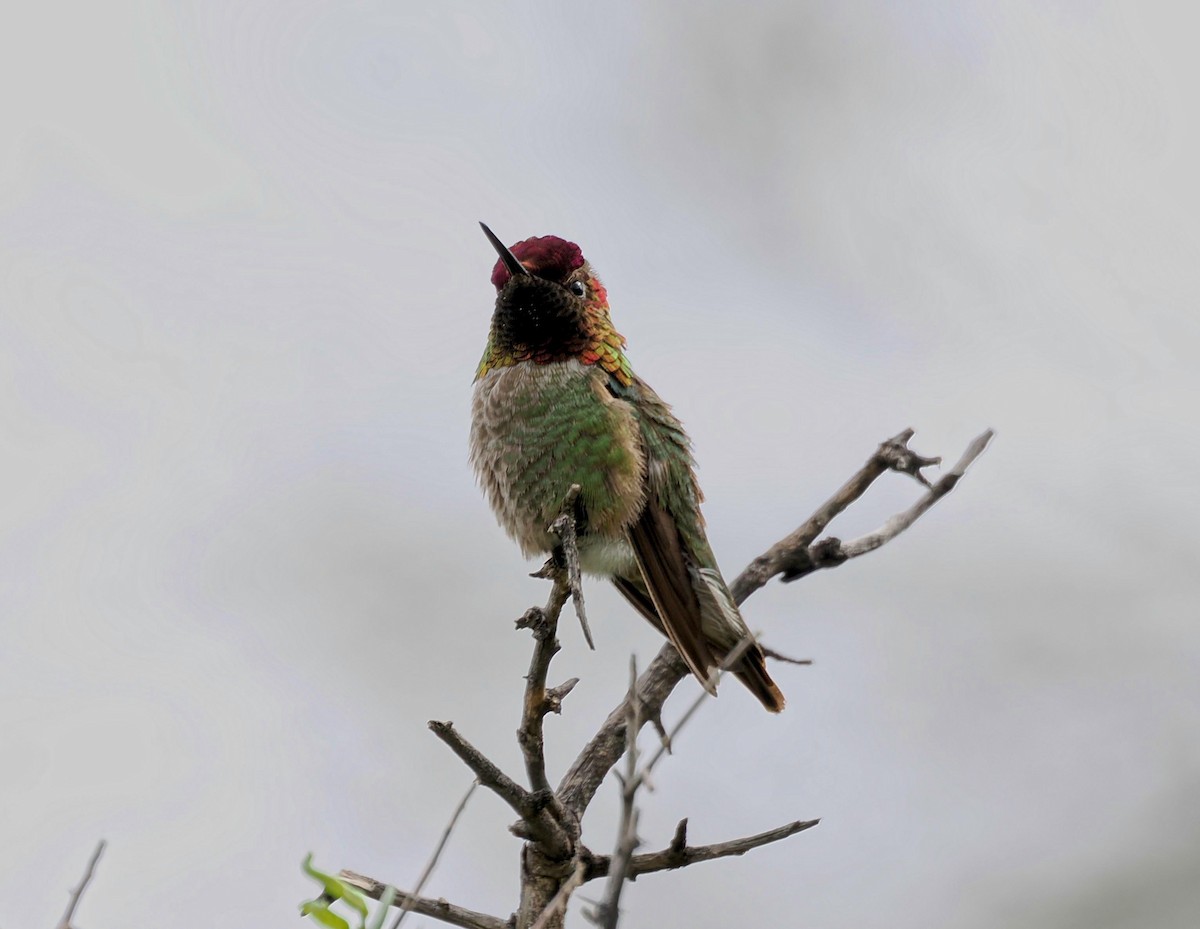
(578, 288)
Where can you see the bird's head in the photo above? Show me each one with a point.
(550, 306)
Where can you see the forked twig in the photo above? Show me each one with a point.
(679, 854)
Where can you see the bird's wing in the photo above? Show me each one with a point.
(664, 565)
(661, 536)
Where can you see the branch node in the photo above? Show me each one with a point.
(540, 800)
(521, 830)
(897, 456)
(535, 620)
(679, 840)
(555, 695)
(547, 572)
(827, 553)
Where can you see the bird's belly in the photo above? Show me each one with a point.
(538, 429)
(606, 557)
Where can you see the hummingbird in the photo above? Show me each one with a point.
(556, 403)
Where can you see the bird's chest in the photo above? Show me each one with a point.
(538, 429)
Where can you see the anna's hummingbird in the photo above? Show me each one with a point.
(556, 403)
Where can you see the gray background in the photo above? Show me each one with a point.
(242, 559)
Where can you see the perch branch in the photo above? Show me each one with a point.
(679, 854)
(424, 906)
(65, 922)
(543, 623)
(556, 837)
(791, 554)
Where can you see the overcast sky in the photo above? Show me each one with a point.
(243, 558)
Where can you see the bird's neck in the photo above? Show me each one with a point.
(595, 343)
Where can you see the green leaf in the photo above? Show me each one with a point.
(335, 888)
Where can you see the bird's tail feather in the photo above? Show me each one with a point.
(751, 670)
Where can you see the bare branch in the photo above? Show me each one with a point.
(405, 904)
(544, 624)
(490, 776)
(65, 922)
(424, 906)
(546, 883)
(901, 521)
(531, 807)
(779, 556)
(791, 557)
(679, 855)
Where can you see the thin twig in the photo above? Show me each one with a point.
(678, 854)
(405, 905)
(424, 906)
(65, 922)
